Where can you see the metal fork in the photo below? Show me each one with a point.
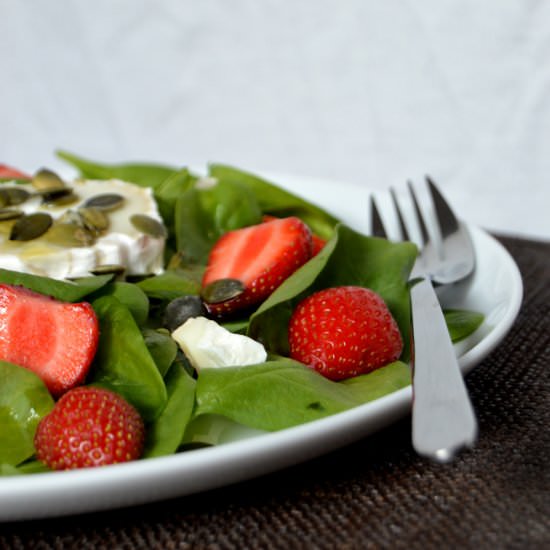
(443, 420)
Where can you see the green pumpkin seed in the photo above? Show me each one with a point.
(30, 226)
(58, 197)
(94, 219)
(107, 269)
(71, 217)
(222, 290)
(149, 226)
(105, 202)
(47, 181)
(9, 214)
(63, 199)
(12, 196)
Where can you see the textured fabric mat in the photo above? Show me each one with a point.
(377, 493)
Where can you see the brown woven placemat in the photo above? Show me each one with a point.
(377, 493)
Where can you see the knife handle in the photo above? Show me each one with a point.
(443, 419)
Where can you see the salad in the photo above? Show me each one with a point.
(137, 352)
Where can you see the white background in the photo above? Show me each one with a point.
(368, 92)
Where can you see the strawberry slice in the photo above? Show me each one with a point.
(318, 245)
(9, 173)
(317, 242)
(261, 257)
(56, 340)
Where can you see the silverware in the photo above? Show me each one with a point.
(443, 420)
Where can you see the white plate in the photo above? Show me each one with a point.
(495, 290)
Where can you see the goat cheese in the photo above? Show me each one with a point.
(208, 345)
(121, 244)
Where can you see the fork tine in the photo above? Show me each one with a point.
(445, 216)
(377, 226)
(402, 227)
(419, 216)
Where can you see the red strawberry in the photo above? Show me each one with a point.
(261, 257)
(56, 340)
(89, 426)
(318, 244)
(343, 332)
(8, 173)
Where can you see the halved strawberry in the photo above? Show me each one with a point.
(56, 340)
(261, 257)
(9, 173)
(318, 244)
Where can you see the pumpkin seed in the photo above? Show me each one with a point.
(60, 196)
(149, 226)
(107, 269)
(94, 219)
(222, 290)
(62, 199)
(12, 196)
(47, 181)
(105, 201)
(71, 217)
(9, 214)
(30, 226)
(180, 310)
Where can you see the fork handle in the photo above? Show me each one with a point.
(443, 419)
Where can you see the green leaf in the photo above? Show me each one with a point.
(284, 393)
(28, 467)
(172, 284)
(461, 323)
(128, 294)
(214, 429)
(165, 435)
(348, 258)
(24, 400)
(204, 213)
(123, 362)
(168, 192)
(68, 291)
(162, 347)
(277, 201)
(143, 174)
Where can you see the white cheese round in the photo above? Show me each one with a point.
(121, 244)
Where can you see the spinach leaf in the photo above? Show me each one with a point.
(165, 434)
(461, 323)
(284, 393)
(128, 294)
(172, 283)
(162, 347)
(123, 362)
(143, 174)
(348, 258)
(24, 400)
(28, 467)
(277, 201)
(214, 429)
(205, 212)
(68, 291)
(168, 192)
